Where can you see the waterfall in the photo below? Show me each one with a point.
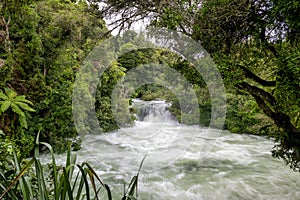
(152, 111)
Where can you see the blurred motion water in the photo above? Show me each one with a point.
(188, 162)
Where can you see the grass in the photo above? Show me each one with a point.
(66, 182)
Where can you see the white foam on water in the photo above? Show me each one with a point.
(188, 162)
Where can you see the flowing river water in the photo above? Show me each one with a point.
(188, 162)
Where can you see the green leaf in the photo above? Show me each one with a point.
(67, 184)
(85, 181)
(23, 182)
(93, 174)
(42, 189)
(92, 180)
(132, 186)
(11, 94)
(23, 121)
(21, 173)
(22, 98)
(5, 105)
(3, 96)
(24, 106)
(108, 192)
(55, 176)
(17, 110)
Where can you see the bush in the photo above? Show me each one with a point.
(30, 181)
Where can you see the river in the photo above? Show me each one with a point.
(188, 162)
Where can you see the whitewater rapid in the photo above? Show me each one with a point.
(187, 162)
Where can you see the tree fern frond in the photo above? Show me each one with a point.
(22, 98)
(24, 106)
(5, 105)
(3, 96)
(11, 94)
(17, 110)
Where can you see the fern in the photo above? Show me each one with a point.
(5, 105)
(3, 96)
(23, 99)
(11, 94)
(17, 110)
(24, 106)
(16, 106)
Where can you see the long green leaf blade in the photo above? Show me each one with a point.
(83, 179)
(24, 187)
(21, 173)
(56, 194)
(41, 180)
(67, 184)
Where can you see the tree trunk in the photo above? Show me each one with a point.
(6, 34)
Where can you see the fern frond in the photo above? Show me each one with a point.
(17, 110)
(5, 105)
(11, 94)
(23, 99)
(23, 121)
(24, 106)
(3, 96)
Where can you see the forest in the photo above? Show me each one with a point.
(44, 43)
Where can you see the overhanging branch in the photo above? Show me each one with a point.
(253, 90)
(249, 74)
(265, 101)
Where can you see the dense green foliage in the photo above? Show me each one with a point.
(47, 43)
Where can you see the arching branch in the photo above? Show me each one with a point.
(253, 90)
(249, 74)
(267, 104)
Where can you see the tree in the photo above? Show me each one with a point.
(254, 43)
